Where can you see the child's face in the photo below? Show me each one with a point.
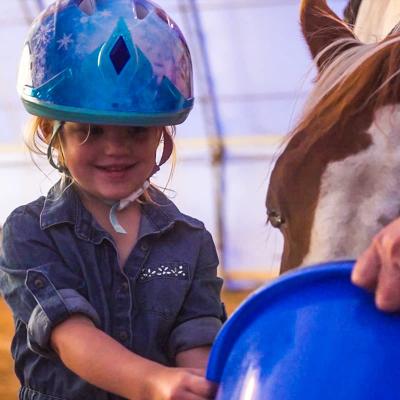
(113, 161)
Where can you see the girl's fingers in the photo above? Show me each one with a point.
(191, 396)
(209, 390)
(197, 371)
(199, 386)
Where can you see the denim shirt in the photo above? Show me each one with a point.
(58, 261)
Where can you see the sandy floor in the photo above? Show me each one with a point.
(8, 381)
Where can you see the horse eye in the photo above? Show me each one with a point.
(275, 219)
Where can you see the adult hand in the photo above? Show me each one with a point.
(378, 268)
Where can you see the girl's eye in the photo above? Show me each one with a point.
(137, 130)
(80, 132)
(78, 129)
(275, 219)
(96, 130)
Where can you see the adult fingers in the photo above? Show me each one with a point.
(379, 268)
(366, 270)
(387, 296)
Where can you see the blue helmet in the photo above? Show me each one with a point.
(106, 62)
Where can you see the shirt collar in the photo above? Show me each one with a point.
(59, 207)
(163, 215)
(65, 207)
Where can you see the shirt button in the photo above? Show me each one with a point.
(125, 286)
(144, 246)
(123, 335)
(38, 282)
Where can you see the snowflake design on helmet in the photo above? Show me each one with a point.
(43, 35)
(41, 54)
(65, 41)
(40, 75)
(40, 40)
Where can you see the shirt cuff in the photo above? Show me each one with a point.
(193, 333)
(54, 306)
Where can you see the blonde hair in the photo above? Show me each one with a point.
(39, 136)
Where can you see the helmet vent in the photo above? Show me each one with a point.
(120, 55)
(87, 6)
(141, 10)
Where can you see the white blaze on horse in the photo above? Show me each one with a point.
(337, 182)
(376, 19)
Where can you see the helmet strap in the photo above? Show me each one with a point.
(167, 151)
(56, 129)
(121, 204)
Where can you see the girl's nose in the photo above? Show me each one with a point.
(115, 141)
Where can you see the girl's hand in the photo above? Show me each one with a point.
(105, 363)
(181, 384)
(378, 268)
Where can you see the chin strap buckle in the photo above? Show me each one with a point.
(120, 205)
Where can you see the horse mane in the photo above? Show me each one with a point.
(356, 78)
(351, 11)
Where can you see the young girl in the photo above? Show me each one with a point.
(114, 291)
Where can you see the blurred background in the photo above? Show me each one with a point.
(252, 74)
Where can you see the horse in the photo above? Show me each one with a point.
(337, 181)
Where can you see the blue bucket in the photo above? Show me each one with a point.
(310, 335)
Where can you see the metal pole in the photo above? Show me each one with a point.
(214, 122)
(26, 11)
(40, 5)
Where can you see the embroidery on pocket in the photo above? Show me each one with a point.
(176, 270)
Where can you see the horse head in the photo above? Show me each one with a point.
(337, 181)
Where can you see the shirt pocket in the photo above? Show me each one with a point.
(162, 288)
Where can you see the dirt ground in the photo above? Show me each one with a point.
(8, 382)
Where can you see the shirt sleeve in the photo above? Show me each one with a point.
(40, 288)
(202, 313)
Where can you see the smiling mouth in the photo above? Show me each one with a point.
(115, 168)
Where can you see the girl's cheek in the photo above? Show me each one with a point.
(139, 139)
